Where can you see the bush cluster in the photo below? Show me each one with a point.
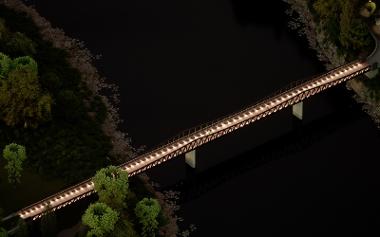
(68, 141)
(344, 25)
(119, 212)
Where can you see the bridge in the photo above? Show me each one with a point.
(193, 138)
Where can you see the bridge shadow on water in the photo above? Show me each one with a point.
(300, 138)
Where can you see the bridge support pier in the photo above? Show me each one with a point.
(372, 74)
(298, 110)
(190, 158)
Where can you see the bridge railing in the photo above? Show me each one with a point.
(62, 192)
(192, 130)
(292, 85)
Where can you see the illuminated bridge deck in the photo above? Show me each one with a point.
(196, 137)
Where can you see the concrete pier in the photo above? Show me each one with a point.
(298, 110)
(190, 158)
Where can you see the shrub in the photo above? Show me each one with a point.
(19, 44)
(111, 184)
(15, 156)
(343, 25)
(25, 63)
(21, 98)
(147, 211)
(5, 65)
(72, 146)
(100, 218)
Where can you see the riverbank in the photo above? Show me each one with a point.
(305, 24)
(81, 59)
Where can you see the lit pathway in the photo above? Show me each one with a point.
(206, 133)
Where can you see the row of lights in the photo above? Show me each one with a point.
(227, 123)
(39, 208)
(65, 204)
(129, 167)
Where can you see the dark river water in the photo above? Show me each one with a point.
(182, 63)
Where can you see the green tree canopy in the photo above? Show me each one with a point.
(25, 63)
(100, 218)
(147, 211)
(344, 26)
(111, 184)
(5, 65)
(353, 31)
(18, 43)
(326, 8)
(21, 98)
(15, 155)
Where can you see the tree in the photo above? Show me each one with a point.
(21, 98)
(111, 184)
(15, 155)
(18, 43)
(22, 230)
(48, 223)
(326, 8)
(5, 65)
(147, 211)
(354, 32)
(25, 63)
(100, 218)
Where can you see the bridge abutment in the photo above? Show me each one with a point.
(297, 110)
(190, 158)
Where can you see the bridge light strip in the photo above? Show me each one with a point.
(246, 115)
(84, 190)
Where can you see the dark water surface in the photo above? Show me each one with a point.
(181, 63)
